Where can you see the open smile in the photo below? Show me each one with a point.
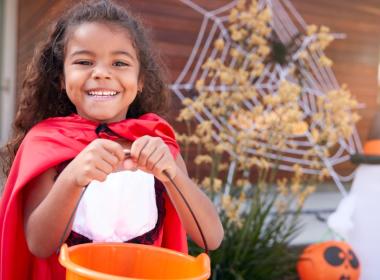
(102, 94)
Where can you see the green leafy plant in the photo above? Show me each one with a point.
(256, 249)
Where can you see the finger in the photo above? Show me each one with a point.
(130, 164)
(150, 149)
(107, 156)
(154, 157)
(159, 166)
(163, 165)
(138, 146)
(114, 148)
(99, 175)
(104, 166)
(146, 156)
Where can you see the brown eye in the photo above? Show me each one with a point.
(120, 64)
(333, 255)
(354, 262)
(83, 62)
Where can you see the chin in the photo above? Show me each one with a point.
(103, 118)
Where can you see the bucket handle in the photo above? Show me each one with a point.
(190, 209)
(128, 154)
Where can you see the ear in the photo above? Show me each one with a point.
(140, 85)
(62, 82)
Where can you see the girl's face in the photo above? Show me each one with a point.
(101, 71)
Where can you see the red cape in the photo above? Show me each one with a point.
(47, 144)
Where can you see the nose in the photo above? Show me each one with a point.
(101, 72)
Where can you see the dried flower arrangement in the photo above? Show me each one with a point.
(249, 189)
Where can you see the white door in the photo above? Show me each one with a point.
(8, 50)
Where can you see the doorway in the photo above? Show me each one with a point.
(8, 50)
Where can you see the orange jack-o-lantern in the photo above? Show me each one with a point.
(331, 260)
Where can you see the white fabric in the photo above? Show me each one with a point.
(119, 209)
(357, 219)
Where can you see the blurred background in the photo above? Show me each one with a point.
(175, 26)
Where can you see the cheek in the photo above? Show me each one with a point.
(130, 79)
(73, 86)
(74, 80)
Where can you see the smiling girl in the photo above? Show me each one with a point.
(91, 93)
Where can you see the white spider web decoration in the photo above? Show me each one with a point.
(286, 24)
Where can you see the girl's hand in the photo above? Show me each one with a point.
(95, 162)
(152, 155)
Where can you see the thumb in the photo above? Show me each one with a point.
(129, 164)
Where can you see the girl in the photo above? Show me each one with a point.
(89, 97)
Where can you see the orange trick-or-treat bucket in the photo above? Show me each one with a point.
(119, 261)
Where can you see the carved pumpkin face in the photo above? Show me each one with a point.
(333, 260)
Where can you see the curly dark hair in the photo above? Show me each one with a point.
(42, 96)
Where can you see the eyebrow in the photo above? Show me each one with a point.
(81, 52)
(124, 53)
(87, 52)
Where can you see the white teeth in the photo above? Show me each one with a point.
(102, 93)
